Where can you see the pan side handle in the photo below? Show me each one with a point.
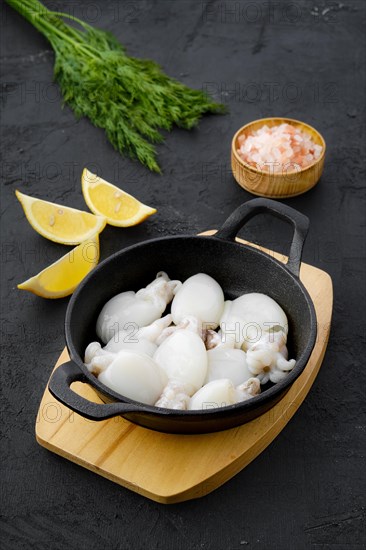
(59, 387)
(248, 210)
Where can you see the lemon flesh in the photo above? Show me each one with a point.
(58, 223)
(118, 207)
(61, 278)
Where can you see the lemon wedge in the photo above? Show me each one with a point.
(62, 277)
(58, 223)
(118, 207)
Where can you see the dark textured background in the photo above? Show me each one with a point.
(303, 59)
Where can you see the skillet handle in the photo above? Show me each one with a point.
(246, 211)
(59, 386)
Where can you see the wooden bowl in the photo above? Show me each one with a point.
(287, 183)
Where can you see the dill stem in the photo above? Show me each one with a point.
(63, 35)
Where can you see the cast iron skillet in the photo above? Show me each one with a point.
(238, 268)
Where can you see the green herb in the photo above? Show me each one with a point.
(132, 99)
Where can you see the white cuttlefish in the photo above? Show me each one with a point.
(136, 308)
(200, 296)
(246, 318)
(97, 359)
(135, 376)
(183, 357)
(221, 393)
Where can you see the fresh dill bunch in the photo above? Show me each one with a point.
(132, 99)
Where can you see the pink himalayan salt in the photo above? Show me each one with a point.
(282, 148)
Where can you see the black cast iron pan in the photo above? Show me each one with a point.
(237, 268)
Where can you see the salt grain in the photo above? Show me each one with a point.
(281, 148)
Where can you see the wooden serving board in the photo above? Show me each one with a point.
(174, 468)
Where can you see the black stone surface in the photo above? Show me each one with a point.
(299, 59)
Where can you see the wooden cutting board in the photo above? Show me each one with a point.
(174, 468)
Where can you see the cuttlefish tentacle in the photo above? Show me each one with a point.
(268, 357)
(97, 359)
(248, 389)
(175, 396)
(153, 331)
(188, 323)
(160, 292)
